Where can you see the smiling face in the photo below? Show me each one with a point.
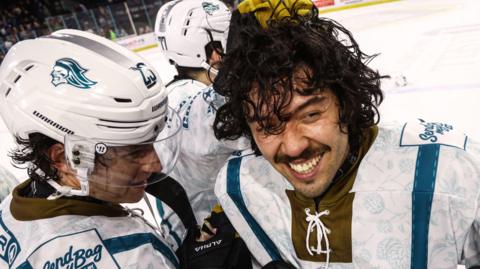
(121, 174)
(311, 147)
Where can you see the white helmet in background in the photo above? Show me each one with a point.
(89, 93)
(184, 27)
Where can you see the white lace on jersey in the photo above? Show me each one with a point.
(314, 222)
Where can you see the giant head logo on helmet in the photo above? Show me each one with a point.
(68, 71)
(103, 102)
(210, 7)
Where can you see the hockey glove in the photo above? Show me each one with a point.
(223, 250)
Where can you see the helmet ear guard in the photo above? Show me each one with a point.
(80, 156)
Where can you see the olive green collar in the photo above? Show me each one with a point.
(27, 209)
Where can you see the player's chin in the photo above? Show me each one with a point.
(310, 189)
(133, 196)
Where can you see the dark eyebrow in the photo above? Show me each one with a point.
(312, 101)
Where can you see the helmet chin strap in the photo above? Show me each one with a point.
(64, 191)
(209, 68)
(82, 175)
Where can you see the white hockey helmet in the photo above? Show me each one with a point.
(184, 27)
(93, 95)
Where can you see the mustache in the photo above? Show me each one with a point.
(306, 154)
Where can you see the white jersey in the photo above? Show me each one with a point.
(161, 215)
(201, 154)
(93, 235)
(414, 203)
(7, 182)
(181, 89)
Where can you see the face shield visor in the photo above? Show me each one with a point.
(120, 172)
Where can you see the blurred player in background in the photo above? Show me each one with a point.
(191, 34)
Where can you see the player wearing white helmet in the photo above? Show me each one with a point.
(88, 116)
(192, 35)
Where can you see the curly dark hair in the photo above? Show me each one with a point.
(264, 60)
(33, 153)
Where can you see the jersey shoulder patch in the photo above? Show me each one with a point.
(422, 132)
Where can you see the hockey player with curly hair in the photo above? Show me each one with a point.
(326, 185)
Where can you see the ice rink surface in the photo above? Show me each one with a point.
(434, 44)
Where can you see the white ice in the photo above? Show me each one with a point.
(435, 45)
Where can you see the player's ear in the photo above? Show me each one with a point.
(215, 57)
(56, 153)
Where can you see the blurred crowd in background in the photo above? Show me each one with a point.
(24, 19)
